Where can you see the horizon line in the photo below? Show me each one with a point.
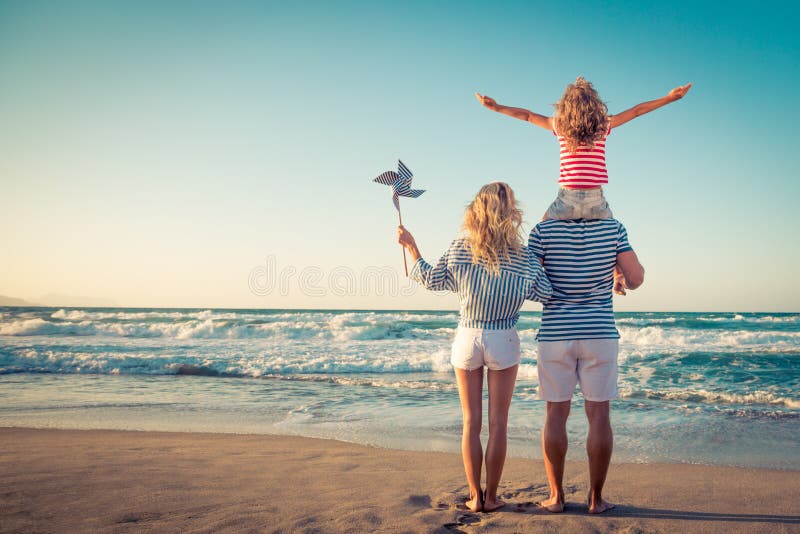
(449, 310)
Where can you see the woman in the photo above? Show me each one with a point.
(493, 275)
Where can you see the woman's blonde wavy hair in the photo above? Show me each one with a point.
(581, 117)
(492, 223)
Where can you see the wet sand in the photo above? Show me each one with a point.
(117, 481)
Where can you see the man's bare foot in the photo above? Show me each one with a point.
(599, 506)
(475, 504)
(554, 505)
(490, 505)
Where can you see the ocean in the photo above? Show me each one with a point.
(708, 388)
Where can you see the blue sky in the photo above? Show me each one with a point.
(158, 154)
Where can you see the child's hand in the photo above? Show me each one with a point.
(487, 101)
(679, 92)
(619, 284)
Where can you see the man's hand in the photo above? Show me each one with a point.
(486, 101)
(679, 92)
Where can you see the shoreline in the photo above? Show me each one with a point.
(125, 480)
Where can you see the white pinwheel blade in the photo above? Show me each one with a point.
(387, 178)
(405, 173)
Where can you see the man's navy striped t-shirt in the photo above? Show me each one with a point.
(579, 258)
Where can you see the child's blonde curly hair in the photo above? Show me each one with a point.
(581, 117)
(492, 223)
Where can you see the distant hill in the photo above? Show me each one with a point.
(75, 301)
(12, 301)
(60, 300)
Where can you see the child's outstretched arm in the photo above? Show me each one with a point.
(647, 107)
(518, 113)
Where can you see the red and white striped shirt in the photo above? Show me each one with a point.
(584, 168)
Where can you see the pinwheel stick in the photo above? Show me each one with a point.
(405, 262)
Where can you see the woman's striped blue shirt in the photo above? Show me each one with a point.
(579, 257)
(490, 301)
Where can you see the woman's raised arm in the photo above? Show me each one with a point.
(438, 278)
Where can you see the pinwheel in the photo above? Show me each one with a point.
(400, 182)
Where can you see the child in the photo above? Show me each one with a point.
(581, 124)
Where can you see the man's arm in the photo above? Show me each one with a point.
(631, 269)
(518, 113)
(647, 107)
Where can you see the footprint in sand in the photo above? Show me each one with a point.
(525, 507)
(450, 500)
(449, 527)
(420, 500)
(462, 521)
(453, 500)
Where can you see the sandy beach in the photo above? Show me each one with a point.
(118, 481)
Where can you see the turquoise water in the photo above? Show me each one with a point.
(716, 388)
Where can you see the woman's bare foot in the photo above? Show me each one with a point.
(598, 506)
(475, 503)
(554, 505)
(490, 505)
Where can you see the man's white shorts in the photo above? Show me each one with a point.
(475, 347)
(590, 362)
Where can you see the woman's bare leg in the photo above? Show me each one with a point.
(501, 389)
(470, 391)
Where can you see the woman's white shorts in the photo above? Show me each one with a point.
(475, 347)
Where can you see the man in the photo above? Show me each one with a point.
(578, 340)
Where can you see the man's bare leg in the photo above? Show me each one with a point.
(470, 391)
(501, 389)
(554, 449)
(599, 445)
